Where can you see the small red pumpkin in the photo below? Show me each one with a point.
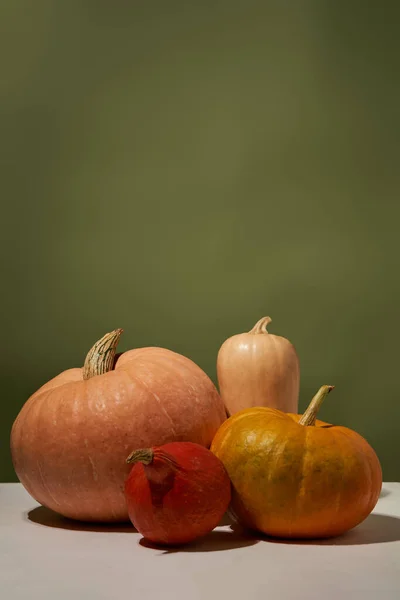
(177, 492)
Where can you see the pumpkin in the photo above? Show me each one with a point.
(71, 438)
(258, 369)
(297, 477)
(176, 493)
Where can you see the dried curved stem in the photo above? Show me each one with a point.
(143, 455)
(261, 325)
(100, 358)
(147, 455)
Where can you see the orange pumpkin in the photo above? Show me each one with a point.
(294, 476)
(70, 440)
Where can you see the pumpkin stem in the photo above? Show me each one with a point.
(261, 325)
(311, 413)
(100, 358)
(144, 455)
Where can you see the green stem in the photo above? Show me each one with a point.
(310, 415)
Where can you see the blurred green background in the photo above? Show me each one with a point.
(180, 169)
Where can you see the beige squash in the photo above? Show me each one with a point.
(258, 369)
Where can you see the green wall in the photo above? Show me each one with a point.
(180, 169)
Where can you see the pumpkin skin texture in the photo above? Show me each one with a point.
(258, 369)
(70, 440)
(176, 493)
(292, 480)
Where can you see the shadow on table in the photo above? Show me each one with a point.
(376, 529)
(215, 541)
(48, 518)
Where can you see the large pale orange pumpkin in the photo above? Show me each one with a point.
(70, 440)
(297, 477)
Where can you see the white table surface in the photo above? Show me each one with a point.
(43, 556)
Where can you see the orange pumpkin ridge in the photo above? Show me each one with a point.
(297, 477)
(70, 439)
